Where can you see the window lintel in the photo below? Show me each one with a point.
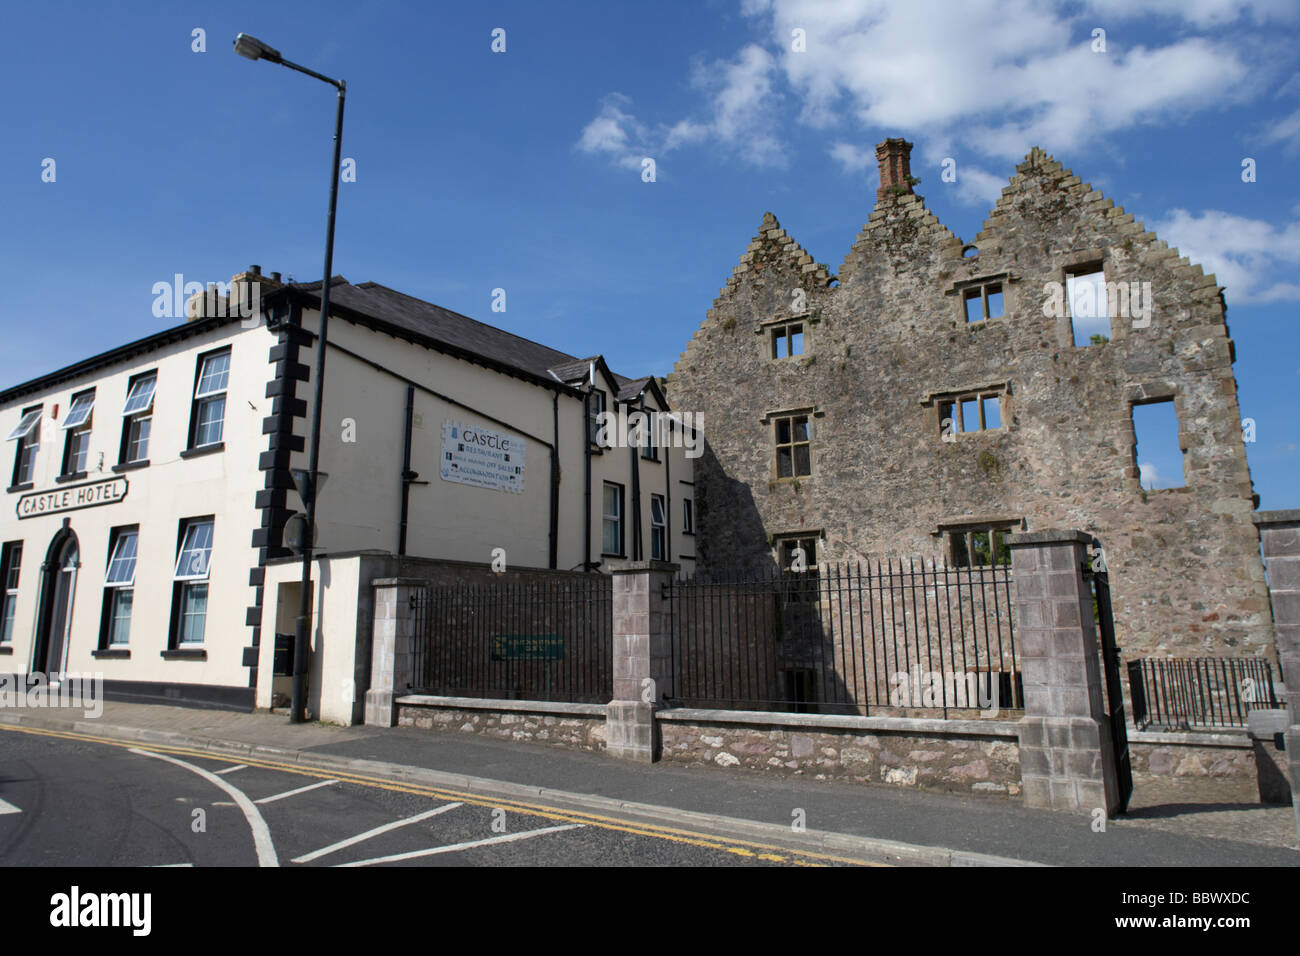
(810, 317)
(975, 282)
(931, 398)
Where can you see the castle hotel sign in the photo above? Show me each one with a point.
(482, 457)
(73, 498)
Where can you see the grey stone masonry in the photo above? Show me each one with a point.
(642, 673)
(393, 648)
(1066, 761)
(1279, 535)
(916, 329)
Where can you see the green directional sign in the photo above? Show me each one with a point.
(527, 647)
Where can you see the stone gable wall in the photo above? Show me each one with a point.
(890, 332)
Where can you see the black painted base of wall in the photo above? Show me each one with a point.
(206, 696)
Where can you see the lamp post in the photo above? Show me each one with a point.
(255, 49)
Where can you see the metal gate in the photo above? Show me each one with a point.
(1114, 689)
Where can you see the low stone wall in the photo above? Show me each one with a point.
(966, 756)
(1192, 755)
(574, 726)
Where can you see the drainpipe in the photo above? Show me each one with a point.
(408, 476)
(586, 444)
(668, 489)
(636, 493)
(555, 479)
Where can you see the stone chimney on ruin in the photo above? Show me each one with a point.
(894, 157)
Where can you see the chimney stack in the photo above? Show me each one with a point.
(894, 156)
(244, 298)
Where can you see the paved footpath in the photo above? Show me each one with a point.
(1171, 824)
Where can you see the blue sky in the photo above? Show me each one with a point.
(521, 170)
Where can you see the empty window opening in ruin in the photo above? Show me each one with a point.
(787, 341)
(1085, 292)
(984, 302)
(793, 446)
(797, 557)
(1157, 451)
(979, 547)
(970, 413)
(801, 690)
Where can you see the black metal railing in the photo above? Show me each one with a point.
(524, 640)
(850, 638)
(1185, 693)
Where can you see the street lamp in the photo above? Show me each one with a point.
(255, 49)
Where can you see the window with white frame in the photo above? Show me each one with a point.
(658, 528)
(76, 448)
(611, 538)
(688, 516)
(119, 587)
(137, 416)
(11, 557)
(27, 433)
(191, 582)
(210, 399)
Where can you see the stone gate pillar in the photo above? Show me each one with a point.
(1279, 534)
(392, 649)
(642, 671)
(1066, 759)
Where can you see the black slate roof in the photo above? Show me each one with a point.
(443, 325)
(385, 308)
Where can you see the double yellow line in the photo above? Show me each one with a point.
(743, 848)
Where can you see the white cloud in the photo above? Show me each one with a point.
(1005, 74)
(740, 107)
(1200, 13)
(977, 187)
(1245, 255)
(616, 133)
(1147, 474)
(854, 159)
(980, 80)
(1285, 130)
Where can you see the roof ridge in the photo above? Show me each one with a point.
(369, 285)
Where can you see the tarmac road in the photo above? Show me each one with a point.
(74, 802)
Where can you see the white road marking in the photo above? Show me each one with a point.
(6, 807)
(316, 854)
(164, 866)
(261, 833)
(223, 803)
(238, 766)
(292, 793)
(456, 847)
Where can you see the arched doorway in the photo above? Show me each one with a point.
(58, 588)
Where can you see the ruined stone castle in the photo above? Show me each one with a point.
(934, 396)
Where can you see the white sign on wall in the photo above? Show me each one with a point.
(478, 456)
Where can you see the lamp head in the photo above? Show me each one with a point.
(255, 49)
